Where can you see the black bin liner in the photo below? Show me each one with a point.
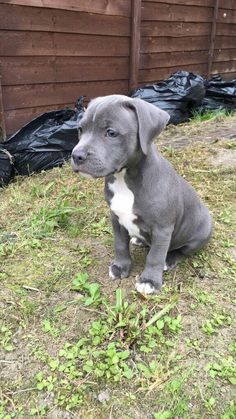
(6, 167)
(178, 95)
(220, 95)
(46, 141)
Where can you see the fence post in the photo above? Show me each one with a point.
(134, 43)
(2, 119)
(212, 41)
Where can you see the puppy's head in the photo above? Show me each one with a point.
(113, 132)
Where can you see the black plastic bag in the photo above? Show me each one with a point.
(178, 95)
(220, 95)
(6, 167)
(46, 141)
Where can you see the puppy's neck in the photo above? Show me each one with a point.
(140, 161)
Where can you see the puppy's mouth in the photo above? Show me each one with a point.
(95, 170)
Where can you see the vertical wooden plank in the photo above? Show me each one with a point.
(135, 42)
(212, 41)
(2, 119)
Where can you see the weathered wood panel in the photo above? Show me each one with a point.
(174, 12)
(34, 70)
(227, 29)
(25, 18)
(25, 96)
(224, 55)
(228, 4)
(156, 74)
(16, 118)
(171, 44)
(201, 43)
(224, 67)
(176, 34)
(166, 59)
(175, 29)
(225, 42)
(15, 43)
(52, 51)
(107, 7)
(226, 15)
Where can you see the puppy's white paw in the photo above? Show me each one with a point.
(145, 288)
(165, 267)
(111, 275)
(136, 242)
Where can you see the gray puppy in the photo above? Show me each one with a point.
(149, 201)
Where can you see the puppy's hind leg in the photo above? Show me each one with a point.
(173, 258)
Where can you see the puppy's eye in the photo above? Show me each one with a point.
(111, 133)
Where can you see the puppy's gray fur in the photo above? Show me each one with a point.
(148, 199)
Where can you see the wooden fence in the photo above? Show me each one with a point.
(53, 51)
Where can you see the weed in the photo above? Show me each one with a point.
(225, 216)
(232, 347)
(100, 227)
(225, 369)
(209, 115)
(217, 321)
(91, 291)
(166, 414)
(201, 297)
(45, 383)
(230, 412)
(44, 223)
(227, 243)
(178, 405)
(49, 328)
(7, 249)
(41, 191)
(210, 403)
(6, 339)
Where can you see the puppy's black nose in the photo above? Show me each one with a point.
(79, 155)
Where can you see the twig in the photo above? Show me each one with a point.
(92, 310)
(24, 390)
(26, 287)
(10, 400)
(160, 314)
(111, 411)
(3, 361)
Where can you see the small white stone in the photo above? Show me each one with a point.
(104, 396)
(144, 288)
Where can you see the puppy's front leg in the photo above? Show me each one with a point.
(150, 281)
(121, 266)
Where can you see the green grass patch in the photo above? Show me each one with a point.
(76, 344)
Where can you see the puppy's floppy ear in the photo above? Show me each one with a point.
(151, 121)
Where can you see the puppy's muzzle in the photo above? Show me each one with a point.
(79, 156)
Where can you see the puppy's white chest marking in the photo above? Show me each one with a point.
(122, 204)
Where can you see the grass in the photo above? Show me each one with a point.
(75, 344)
(209, 115)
